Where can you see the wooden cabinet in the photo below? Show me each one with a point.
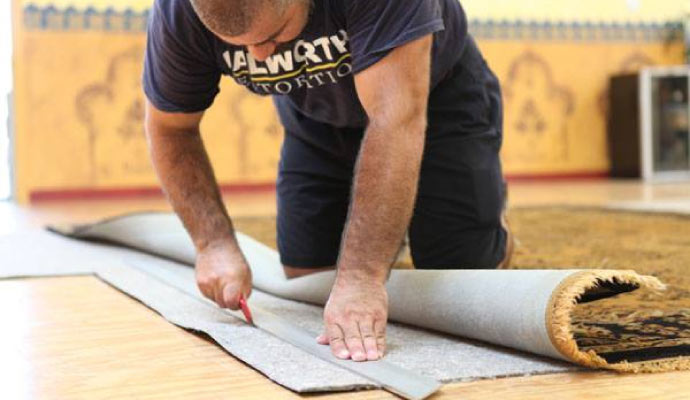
(648, 126)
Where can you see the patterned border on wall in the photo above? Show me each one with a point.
(576, 31)
(51, 18)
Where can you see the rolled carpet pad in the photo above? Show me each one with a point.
(169, 288)
(528, 310)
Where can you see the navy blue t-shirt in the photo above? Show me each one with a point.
(312, 74)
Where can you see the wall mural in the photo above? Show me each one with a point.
(112, 110)
(537, 110)
(253, 129)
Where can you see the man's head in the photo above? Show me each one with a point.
(258, 24)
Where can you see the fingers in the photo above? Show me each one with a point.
(232, 291)
(208, 286)
(366, 330)
(225, 288)
(223, 275)
(218, 296)
(322, 339)
(247, 287)
(336, 339)
(226, 295)
(380, 333)
(355, 318)
(353, 341)
(363, 341)
(230, 297)
(207, 291)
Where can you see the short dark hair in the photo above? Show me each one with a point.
(232, 17)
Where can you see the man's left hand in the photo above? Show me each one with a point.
(355, 318)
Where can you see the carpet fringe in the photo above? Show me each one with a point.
(559, 320)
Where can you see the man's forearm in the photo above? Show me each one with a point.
(186, 175)
(384, 192)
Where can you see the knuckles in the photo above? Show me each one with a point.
(206, 283)
(354, 316)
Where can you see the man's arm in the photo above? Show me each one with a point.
(187, 178)
(394, 93)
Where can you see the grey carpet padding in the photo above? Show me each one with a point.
(153, 281)
(525, 310)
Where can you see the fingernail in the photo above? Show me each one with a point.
(344, 354)
(359, 356)
(373, 355)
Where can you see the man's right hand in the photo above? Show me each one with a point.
(223, 275)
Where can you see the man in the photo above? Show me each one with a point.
(392, 125)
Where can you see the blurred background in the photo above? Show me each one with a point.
(5, 90)
(589, 92)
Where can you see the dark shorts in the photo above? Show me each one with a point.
(457, 216)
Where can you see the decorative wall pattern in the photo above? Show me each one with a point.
(129, 20)
(539, 109)
(71, 18)
(574, 31)
(79, 100)
(112, 111)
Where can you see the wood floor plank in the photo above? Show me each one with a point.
(578, 386)
(78, 337)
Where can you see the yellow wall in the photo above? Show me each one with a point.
(581, 10)
(555, 100)
(78, 100)
(81, 121)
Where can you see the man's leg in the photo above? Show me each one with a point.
(459, 218)
(510, 238)
(313, 193)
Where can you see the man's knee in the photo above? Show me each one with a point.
(510, 243)
(487, 248)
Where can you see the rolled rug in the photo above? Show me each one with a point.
(529, 310)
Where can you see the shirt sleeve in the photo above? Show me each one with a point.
(375, 27)
(180, 72)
